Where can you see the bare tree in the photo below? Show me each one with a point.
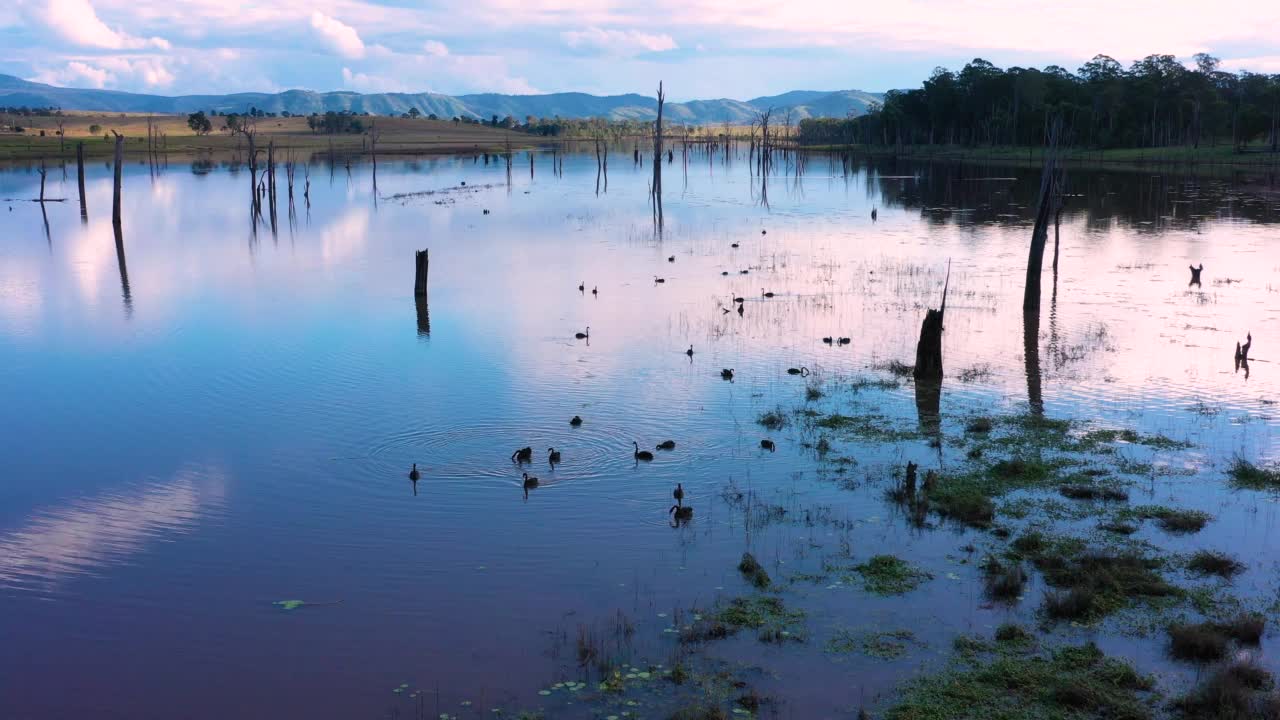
(657, 158)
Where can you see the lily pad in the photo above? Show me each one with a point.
(289, 604)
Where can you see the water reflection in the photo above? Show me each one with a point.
(91, 534)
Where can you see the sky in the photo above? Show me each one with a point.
(699, 48)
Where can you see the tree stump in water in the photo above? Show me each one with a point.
(119, 168)
(1195, 275)
(929, 348)
(421, 261)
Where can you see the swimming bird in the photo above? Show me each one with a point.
(486, 212)
(726, 374)
(722, 272)
(641, 454)
(681, 513)
(671, 259)
(844, 341)
(798, 371)
(553, 456)
(667, 445)
(657, 279)
(737, 299)
(689, 352)
(576, 421)
(767, 445)
(595, 290)
(734, 245)
(873, 214)
(530, 481)
(764, 232)
(583, 335)
(826, 340)
(743, 272)
(766, 294)
(740, 311)
(582, 286)
(414, 475)
(678, 494)
(522, 455)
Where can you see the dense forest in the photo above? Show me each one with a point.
(1157, 102)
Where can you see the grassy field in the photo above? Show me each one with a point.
(397, 136)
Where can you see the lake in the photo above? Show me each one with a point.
(221, 418)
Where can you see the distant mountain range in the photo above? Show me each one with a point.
(802, 103)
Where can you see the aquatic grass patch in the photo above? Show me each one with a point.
(890, 575)
(775, 419)
(1160, 442)
(979, 425)
(884, 645)
(866, 427)
(1248, 476)
(1011, 683)
(1211, 562)
(1077, 491)
(1172, 520)
(1087, 584)
(1245, 627)
(1199, 642)
(1232, 693)
(1014, 634)
(1003, 580)
(753, 571)
(766, 614)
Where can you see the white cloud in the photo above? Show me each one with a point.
(435, 48)
(618, 42)
(76, 22)
(363, 82)
(340, 37)
(109, 72)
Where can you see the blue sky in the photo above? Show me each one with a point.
(700, 48)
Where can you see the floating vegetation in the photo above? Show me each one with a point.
(886, 645)
(1172, 520)
(1210, 562)
(295, 604)
(1089, 584)
(865, 427)
(975, 373)
(1014, 683)
(1245, 474)
(1092, 492)
(753, 571)
(1201, 642)
(890, 575)
(1230, 693)
(765, 614)
(775, 419)
(1004, 581)
(1134, 438)
(979, 425)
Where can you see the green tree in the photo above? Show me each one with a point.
(199, 123)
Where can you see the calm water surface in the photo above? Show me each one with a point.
(231, 424)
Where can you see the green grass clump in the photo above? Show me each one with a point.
(767, 615)
(753, 571)
(1100, 437)
(774, 419)
(1211, 562)
(865, 427)
(1004, 581)
(1245, 474)
(1012, 634)
(1173, 520)
(1088, 584)
(1199, 642)
(890, 575)
(1092, 492)
(1230, 694)
(1071, 682)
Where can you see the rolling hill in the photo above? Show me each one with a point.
(16, 92)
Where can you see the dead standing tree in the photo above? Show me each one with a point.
(1052, 183)
(929, 346)
(657, 160)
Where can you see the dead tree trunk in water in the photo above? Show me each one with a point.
(1050, 199)
(929, 347)
(115, 194)
(657, 159)
(84, 208)
(421, 260)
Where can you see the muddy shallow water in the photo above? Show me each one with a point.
(229, 423)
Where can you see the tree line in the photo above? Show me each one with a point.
(1156, 102)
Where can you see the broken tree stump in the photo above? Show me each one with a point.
(421, 261)
(929, 347)
(1195, 275)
